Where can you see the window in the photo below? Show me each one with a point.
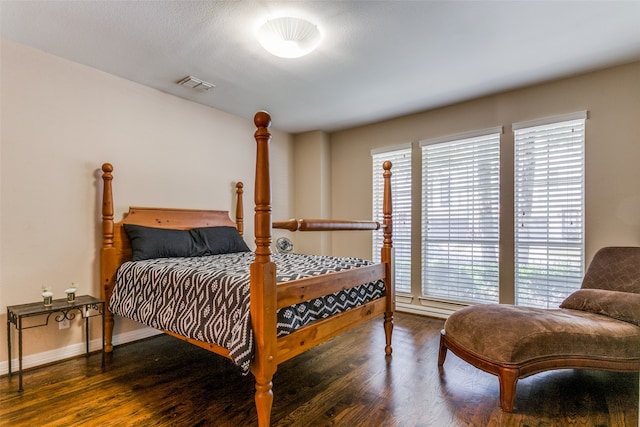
(460, 216)
(400, 157)
(549, 209)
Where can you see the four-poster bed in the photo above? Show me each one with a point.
(272, 294)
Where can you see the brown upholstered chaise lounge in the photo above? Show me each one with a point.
(597, 327)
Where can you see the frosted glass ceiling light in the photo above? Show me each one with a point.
(289, 37)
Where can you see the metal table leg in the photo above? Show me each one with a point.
(20, 354)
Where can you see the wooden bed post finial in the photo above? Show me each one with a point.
(262, 119)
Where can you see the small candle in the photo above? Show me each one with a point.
(48, 298)
(71, 293)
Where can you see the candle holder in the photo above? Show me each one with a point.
(47, 297)
(71, 297)
(71, 293)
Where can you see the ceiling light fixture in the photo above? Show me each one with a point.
(289, 37)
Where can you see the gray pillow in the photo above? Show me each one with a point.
(220, 240)
(623, 306)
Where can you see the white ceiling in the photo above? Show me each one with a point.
(378, 59)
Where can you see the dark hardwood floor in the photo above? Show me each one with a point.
(347, 381)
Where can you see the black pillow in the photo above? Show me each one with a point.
(220, 240)
(151, 242)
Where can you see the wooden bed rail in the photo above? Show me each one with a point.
(326, 225)
(340, 225)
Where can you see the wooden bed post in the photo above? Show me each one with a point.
(239, 208)
(386, 256)
(263, 278)
(107, 254)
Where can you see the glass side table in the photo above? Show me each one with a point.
(85, 305)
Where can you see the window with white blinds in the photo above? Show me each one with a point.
(400, 157)
(549, 209)
(460, 217)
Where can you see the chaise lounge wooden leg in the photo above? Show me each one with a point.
(442, 353)
(508, 380)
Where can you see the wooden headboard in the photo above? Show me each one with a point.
(177, 219)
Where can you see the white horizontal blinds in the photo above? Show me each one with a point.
(460, 217)
(549, 211)
(400, 157)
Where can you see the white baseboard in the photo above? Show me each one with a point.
(136, 335)
(422, 310)
(73, 350)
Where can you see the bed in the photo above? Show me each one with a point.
(260, 292)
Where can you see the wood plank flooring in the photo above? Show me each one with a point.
(347, 381)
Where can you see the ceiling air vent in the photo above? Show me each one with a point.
(196, 83)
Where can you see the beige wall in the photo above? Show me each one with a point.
(612, 98)
(60, 121)
(312, 190)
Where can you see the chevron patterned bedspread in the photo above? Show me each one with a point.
(207, 298)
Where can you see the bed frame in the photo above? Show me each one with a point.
(266, 297)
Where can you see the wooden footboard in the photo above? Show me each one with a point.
(298, 291)
(266, 297)
(305, 289)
